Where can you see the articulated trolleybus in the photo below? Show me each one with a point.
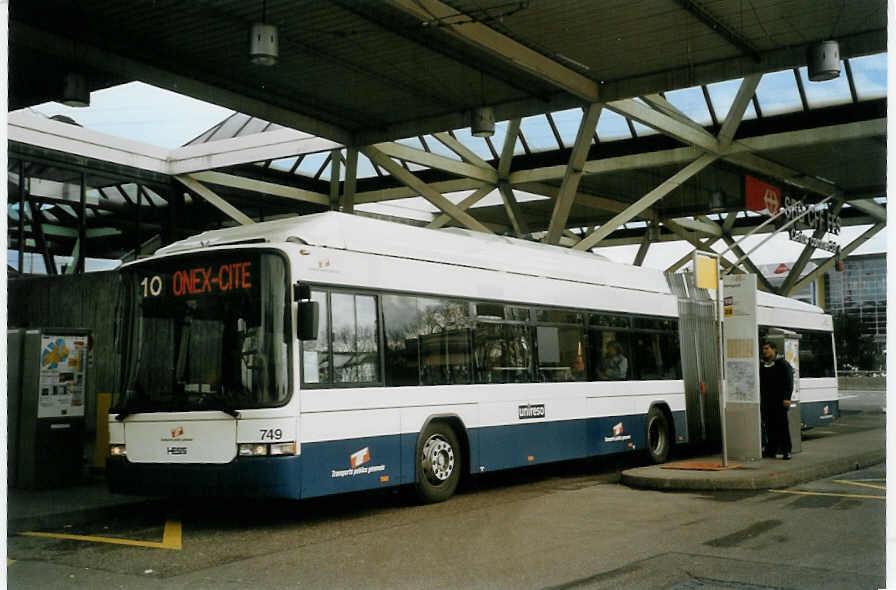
(333, 353)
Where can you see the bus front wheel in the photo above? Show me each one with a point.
(659, 435)
(438, 463)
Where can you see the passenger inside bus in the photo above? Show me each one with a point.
(615, 364)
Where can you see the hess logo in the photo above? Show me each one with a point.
(177, 431)
(617, 429)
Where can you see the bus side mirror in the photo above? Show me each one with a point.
(308, 318)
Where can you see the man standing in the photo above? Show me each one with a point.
(775, 389)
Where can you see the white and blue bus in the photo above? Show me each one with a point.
(334, 353)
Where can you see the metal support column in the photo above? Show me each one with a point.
(82, 227)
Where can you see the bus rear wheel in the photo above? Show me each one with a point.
(659, 435)
(438, 463)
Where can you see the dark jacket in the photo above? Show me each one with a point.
(775, 382)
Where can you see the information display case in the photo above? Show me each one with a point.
(47, 392)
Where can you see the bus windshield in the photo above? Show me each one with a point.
(205, 332)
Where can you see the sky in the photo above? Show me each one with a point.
(140, 112)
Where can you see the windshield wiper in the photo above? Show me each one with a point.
(219, 402)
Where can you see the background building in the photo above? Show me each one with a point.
(857, 298)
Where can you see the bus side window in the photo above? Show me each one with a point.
(355, 338)
(444, 334)
(400, 319)
(657, 354)
(561, 345)
(503, 353)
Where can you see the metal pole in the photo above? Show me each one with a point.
(82, 226)
(22, 217)
(722, 385)
(137, 224)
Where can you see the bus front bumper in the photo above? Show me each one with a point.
(272, 477)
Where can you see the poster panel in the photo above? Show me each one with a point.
(62, 385)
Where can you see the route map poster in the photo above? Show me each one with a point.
(741, 339)
(62, 383)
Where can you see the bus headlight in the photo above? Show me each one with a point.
(263, 449)
(252, 449)
(117, 450)
(287, 448)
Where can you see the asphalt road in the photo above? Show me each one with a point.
(564, 526)
(863, 400)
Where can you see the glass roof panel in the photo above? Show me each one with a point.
(312, 163)
(501, 134)
(413, 142)
(827, 93)
(284, 164)
(538, 133)
(691, 102)
(643, 130)
(567, 123)
(777, 93)
(437, 147)
(612, 126)
(365, 167)
(476, 144)
(253, 126)
(869, 73)
(722, 96)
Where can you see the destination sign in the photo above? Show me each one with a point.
(196, 281)
(200, 280)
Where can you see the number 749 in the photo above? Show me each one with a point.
(271, 433)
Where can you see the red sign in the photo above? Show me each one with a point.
(782, 268)
(224, 278)
(761, 196)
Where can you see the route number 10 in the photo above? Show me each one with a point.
(152, 286)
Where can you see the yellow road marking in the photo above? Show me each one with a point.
(860, 484)
(822, 431)
(827, 494)
(171, 538)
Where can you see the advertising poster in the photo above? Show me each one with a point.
(62, 383)
(792, 355)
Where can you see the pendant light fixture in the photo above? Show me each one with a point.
(263, 41)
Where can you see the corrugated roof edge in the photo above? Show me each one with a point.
(450, 246)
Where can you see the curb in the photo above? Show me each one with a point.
(759, 481)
